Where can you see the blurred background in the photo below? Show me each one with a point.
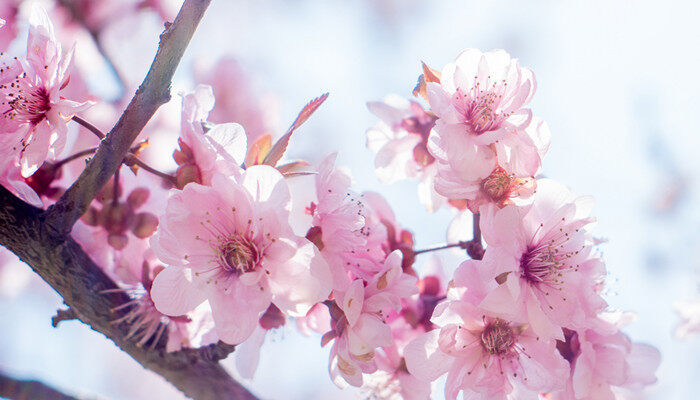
(618, 84)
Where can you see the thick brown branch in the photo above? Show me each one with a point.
(91, 295)
(17, 389)
(153, 92)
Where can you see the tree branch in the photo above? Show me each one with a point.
(41, 238)
(153, 92)
(91, 295)
(17, 389)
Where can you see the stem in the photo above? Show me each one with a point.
(441, 247)
(131, 160)
(476, 228)
(75, 156)
(92, 128)
(115, 189)
(474, 247)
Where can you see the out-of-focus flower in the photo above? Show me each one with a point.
(236, 98)
(8, 22)
(236, 250)
(485, 356)
(539, 265)
(14, 274)
(400, 141)
(689, 312)
(33, 112)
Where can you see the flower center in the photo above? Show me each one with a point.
(498, 337)
(28, 105)
(238, 255)
(498, 185)
(541, 264)
(481, 106)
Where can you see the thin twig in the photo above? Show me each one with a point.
(130, 160)
(474, 247)
(441, 247)
(75, 156)
(153, 92)
(92, 128)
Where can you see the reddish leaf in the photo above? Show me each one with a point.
(259, 150)
(296, 168)
(280, 146)
(431, 75)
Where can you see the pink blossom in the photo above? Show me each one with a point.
(248, 353)
(604, 361)
(206, 149)
(33, 112)
(345, 229)
(147, 324)
(400, 141)
(539, 264)
(358, 325)
(484, 176)
(482, 124)
(11, 177)
(393, 381)
(485, 356)
(236, 250)
(482, 96)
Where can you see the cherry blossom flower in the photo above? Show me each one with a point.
(539, 262)
(481, 97)
(400, 141)
(392, 381)
(236, 250)
(206, 151)
(604, 361)
(344, 228)
(33, 112)
(485, 356)
(484, 139)
(358, 325)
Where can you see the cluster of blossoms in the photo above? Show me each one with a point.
(232, 242)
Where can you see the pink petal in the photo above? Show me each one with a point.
(174, 293)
